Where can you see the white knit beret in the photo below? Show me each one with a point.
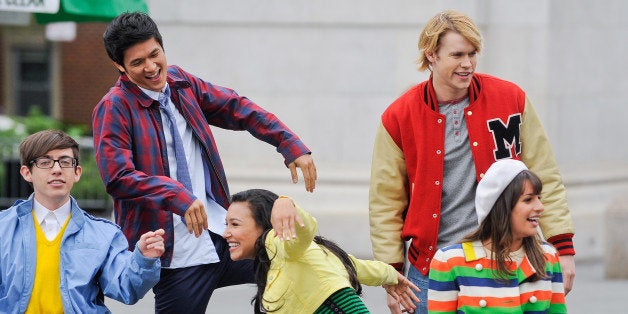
(493, 183)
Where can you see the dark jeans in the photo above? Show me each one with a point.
(187, 290)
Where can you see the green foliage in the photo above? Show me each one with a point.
(90, 188)
(36, 121)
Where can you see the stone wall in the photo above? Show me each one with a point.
(328, 69)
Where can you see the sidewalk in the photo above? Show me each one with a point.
(592, 294)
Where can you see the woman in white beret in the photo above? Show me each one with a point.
(503, 266)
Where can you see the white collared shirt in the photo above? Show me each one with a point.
(51, 221)
(189, 250)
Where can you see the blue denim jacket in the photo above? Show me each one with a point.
(95, 261)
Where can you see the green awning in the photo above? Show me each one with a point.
(91, 10)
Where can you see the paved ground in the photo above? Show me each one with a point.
(593, 294)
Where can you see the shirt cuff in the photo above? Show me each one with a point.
(143, 261)
(398, 267)
(563, 243)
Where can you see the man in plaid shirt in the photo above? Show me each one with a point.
(135, 153)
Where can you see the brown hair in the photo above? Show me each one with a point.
(496, 228)
(38, 144)
(441, 23)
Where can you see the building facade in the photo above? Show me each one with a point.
(330, 68)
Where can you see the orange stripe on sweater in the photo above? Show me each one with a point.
(490, 301)
(446, 266)
(442, 306)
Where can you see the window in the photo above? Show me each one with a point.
(32, 80)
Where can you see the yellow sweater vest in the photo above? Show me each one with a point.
(46, 295)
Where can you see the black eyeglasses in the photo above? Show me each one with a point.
(48, 163)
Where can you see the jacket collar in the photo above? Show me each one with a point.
(474, 251)
(77, 220)
(173, 79)
(429, 95)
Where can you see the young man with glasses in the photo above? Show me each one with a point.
(54, 257)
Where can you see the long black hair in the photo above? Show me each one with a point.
(260, 203)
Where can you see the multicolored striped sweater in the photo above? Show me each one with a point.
(462, 281)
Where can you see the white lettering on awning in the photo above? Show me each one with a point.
(42, 6)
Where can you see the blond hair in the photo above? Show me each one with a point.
(438, 26)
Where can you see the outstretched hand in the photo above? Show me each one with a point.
(306, 163)
(403, 293)
(283, 217)
(151, 244)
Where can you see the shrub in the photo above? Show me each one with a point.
(90, 191)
